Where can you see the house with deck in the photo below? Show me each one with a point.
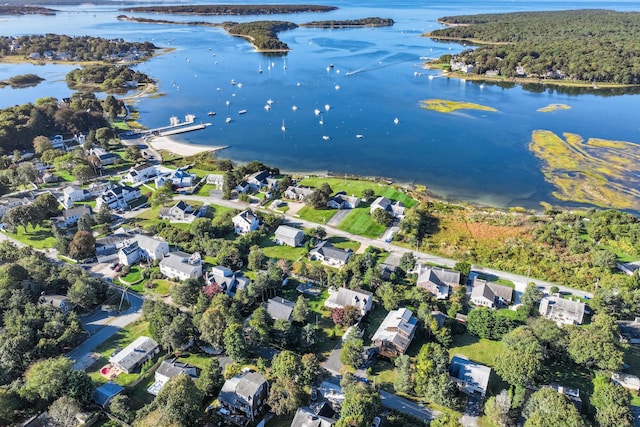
(330, 255)
(395, 333)
(562, 311)
(118, 197)
(143, 247)
(359, 298)
(438, 281)
(489, 294)
(133, 356)
(242, 398)
(181, 265)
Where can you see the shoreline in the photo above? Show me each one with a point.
(185, 149)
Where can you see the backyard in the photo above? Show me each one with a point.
(360, 222)
(321, 216)
(39, 237)
(356, 187)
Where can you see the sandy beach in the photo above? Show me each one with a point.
(180, 148)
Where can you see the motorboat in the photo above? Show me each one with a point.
(316, 112)
(359, 136)
(396, 120)
(283, 127)
(242, 112)
(294, 108)
(267, 107)
(228, 120)
(325, 137)
(327, 107)
(211, 113)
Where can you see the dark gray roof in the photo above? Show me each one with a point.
(172, 368)
(327, 250)
(259, 176)
(76, 211)
(279, 308)
(305, 417)
(180, 261)
(629, 329)
(241, 388)
(129, 357)
(470, 372)
(439, 276)
(286, 231)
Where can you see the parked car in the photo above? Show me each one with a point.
(114, 265)
(118, 268)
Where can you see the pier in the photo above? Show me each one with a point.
(177, 127)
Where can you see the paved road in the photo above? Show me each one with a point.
(400, 404)
(422, 257)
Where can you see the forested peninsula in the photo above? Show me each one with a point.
(231, 9)
(25, 10)
(596, 46)
(350, 23)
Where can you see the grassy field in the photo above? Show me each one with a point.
(478, 349)
(342, 243)
(360, 222)
(321, 216)
(356, 187)
(205, 189)
(134, 275)
(445, 106)
(162, 287)
(39, 238)
(272, 250)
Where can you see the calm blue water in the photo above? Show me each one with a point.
(474, 156)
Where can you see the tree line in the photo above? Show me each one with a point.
(105, 78)
(585, 45)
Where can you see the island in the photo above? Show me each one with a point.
(22, 80)
(445, 106)
(76, 49)
(553, 107)
(351, 23)
(231, 9)
(596, 171)
(25, 10)
(596, 48)
(106, 78)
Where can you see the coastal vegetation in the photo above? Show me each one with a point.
(106, 78)
(22, 80)
(262, 34)
(54, 47)
(596, 171)
(553, 107)
(445, 106)
(232, 9)
(25, 10)
(597, 46)
(351, 23)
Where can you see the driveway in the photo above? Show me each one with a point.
(471, 411)
(333, 364)
(397, 403)
(338, 217)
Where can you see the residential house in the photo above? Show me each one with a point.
(329, 254)
(58, 301)
(258, 180)
(110, 244)
(243, 187)
(135, 354)
(107, 159)
(179, 178)
(470, 377)
(181, 265)
(341, 201)
(71, 216)
(216, 180)
(96, 188)
(489, 294)
(245, 222)
(306, 417)
(297, 193)
(394, 208)
(72, 194)
(229, 282)
(289, 236)
(169, 369)
(562, 310)
(8, 203)
(103, 394)
(361, 299)
(279, 308)
(48, 178)
(395, 333)
(573, 394)
(143, 247)
(140, 173)
(118, 197)
(387, 270)
(181, 212)
(628, 381)
(438, 281)
(243, 397)
(629, 331)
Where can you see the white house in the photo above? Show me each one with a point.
(169, 369)
(140, 173)
(135, 354)
(181, 266)
(471, 377)
(179, 178)
(181, 212)
(72, 194)
(562, 310)
(258, 180)
(71, 216)
(361, 299)
(438, 281)
(298, 193)
(229, 282)
(329, 254)
(143, 247)
(342, 201)
(489, 294)
(118, 197)
(394, 208)
(8, 203)
(58, 301)
(216, 180)
(245, 222)
(290, 236)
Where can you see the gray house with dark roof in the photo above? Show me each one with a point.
(280, 308)
(489, 294)
(297, 193)
(135, 354)
(329, 254)
(228, 281)
(394, 208)
(438, 281)
(471, 377)
(243, 397)
(169, 369)
(103, 394)
(181, 265)
(306, 417)
(342, 201)
(289, 236)
(340, 298)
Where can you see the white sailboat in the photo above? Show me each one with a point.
(294, 108)
(228, 120)
(283, 127)
(321, 121)
(285, 64)
(396, 121)
(325, 137)
(327, 107)
(316, 112)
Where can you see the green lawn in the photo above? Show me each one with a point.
(219, 210)
(134, 275)
(199, 360)
(321, 216)
(360, 222)
(478, 349)
(272, 250)
(342, 243)
(205, 189)
(356, 187)
(162, 287)
(65, 176)
(372, 323)
(280, 421)
(39, 238)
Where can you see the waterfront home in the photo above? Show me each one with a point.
(279, 308)
(118, 197)
(258, 180)
(470, 377)
(73, 193)
(71, 215)
(340, 298)
(242, 398)
(395, 333)
(562, 311)
(140, 173)
(245, 222)
(179, 178)
(329, 254)
(629, 331)
(243, 187)
(58, 301)
(306, 417)
(489, 294)
(144, 247)
(342, 201)
(182, 266)
(216, 180)
(297, 193)
(181, 212)
(394, 208)
(289, 236)
(438, 281)
(135, 354)
(229, 282)
(169, 369)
